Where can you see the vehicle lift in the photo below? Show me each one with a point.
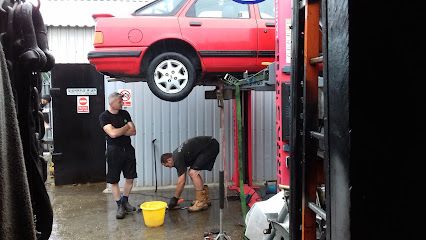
(264, 81)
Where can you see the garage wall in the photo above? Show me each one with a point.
(169, 123)
(70, 44)
(264, 136)
(173, 123)
(79, 12)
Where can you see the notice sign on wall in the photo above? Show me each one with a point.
(82, 91)
(83, 104)
(127, 97)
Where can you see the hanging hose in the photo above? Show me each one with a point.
(240, 157)
(155, 163)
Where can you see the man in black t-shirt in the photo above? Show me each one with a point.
(118, 127)
(45, 99)
(198, 153)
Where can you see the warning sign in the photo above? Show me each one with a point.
(83, 104)
(127, 97)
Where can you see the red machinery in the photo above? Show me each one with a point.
(282, 63)
(282, 89)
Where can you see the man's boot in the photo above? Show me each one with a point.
(200, 202)
(205, 188)
(121, 212)
(127, 207)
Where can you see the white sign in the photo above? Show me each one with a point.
(83, 104)
(288, 40)
(82, 91)
(127, 97)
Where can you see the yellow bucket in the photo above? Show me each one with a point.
(153, 213)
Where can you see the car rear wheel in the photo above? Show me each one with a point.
(171, 76)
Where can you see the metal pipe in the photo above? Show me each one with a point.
(316, 60)
(317, 135)
(317, 210)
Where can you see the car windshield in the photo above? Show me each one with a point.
(160, 7)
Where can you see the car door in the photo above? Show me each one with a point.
(223, 32)
(265, 16)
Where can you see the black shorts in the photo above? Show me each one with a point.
(207, 157)
(120, 159)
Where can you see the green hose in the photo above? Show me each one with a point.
(240, 157)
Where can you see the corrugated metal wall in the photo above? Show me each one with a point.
(70, 44)
(173, 123)
(264, 152)
(78, 13)
(169, 123)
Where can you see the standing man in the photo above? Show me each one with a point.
(198, 153)
(118, 127)
(45, 99)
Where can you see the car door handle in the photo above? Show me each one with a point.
(270, 24)
(195, 24)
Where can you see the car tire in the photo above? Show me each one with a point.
(171, 76)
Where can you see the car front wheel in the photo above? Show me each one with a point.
(171, 76)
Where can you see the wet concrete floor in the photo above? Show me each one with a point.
(84, 212)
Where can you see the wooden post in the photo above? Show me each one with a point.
(311, 168)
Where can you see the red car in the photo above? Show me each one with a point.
(174, 45)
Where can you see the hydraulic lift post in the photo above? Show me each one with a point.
(219, 93)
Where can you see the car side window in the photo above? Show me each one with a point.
(267, 9)
(218, 9)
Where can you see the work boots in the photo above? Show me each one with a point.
(128, 207)
(121, 212)
(123, 208)
(205, 188)
(200, 201)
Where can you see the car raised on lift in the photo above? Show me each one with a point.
(174, 45)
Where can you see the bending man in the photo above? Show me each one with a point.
(198, 153)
